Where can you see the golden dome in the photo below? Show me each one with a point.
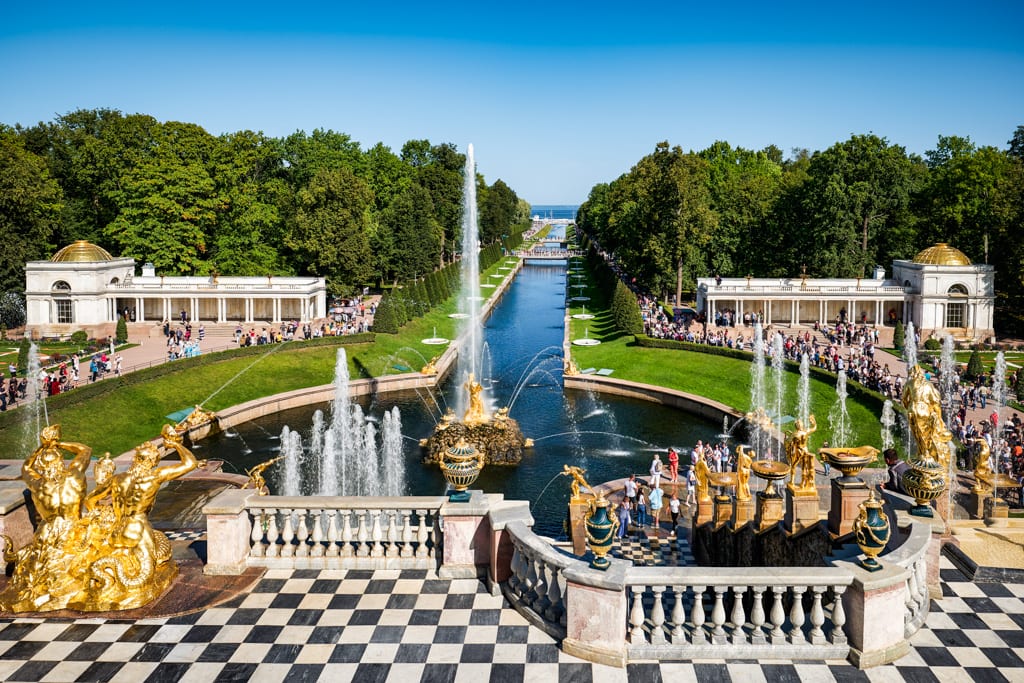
(942, 254)
(81, 251)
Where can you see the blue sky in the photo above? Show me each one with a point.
(555, 97)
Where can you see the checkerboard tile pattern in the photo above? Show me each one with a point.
(187, 535)
(411, 626)
(646, 549)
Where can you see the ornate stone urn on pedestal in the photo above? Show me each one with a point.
(461, 465)
(871, 530)
(601, 528)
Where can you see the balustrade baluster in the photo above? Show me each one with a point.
(778, 616)
(838, 617)
(318, 533)
(288, 535)
(346, 533)
(421, 535)
(658, 617)
(406, 533)
(816, 634)
(273, 549)
(302, 536)
(513, 578)
(737, 617)
(757, 636)
(530, 596)
(256, 547)
(718, 635)
(377, 535)
(922, 584)
(636, 617)
(699, 635)
(678, 615)
(910, 597)
(554, 610)
(796, 616)
(541, 589)
(362, 534)
(392, 534)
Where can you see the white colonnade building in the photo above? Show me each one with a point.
(940, 291)
(83, 287)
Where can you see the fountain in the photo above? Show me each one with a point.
(838, 417)
(497, 437)
(888, 421)
(343, 454)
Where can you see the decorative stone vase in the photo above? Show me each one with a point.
(924, 482)
(871, 530)
(461, 465)
(601, 527)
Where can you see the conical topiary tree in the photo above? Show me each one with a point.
(974, 366)
(121, 334)
(384, 319)
(899, 335)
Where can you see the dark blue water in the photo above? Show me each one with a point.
(608, 436)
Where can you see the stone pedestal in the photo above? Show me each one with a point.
(743, 513)
(228, 529)
(996, 512)
(976, 503)
(846, 500)
(705, 512)
(579, 508)
(801, 511)
(769, 510)
(596, 614)
(466, 548)
(723, 510)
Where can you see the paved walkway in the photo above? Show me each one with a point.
(406, 626)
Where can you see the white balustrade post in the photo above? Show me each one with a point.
(318, 534)
(718, 635)
(273, 548)
(346, 533)
(378, 534)
(816, 634)
(392, 534)
(406, 533)
(288, 535)
(757, 635)
(699, 636)
(777, 616)
(657, 617)
(678, 615)
(302, 535)
(362, 534)
(636, 617)
(838, 635)
(737, 616)
(796, 616)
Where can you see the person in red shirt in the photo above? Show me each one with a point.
(673, 465)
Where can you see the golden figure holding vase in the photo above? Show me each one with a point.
(800, 456)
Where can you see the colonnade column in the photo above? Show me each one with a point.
(140, 310)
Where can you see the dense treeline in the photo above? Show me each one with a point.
(238, 204)
(676, 215)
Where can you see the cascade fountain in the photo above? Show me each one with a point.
(948, 378)
(838, 417)
(760, 434)
(803, 394)
(470, 336)
(778, 376)
(888, 421)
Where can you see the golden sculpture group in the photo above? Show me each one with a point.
(93, 551)
(926, 478)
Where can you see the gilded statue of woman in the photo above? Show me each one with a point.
(743, 463)
(924, 413)
(983, 470)
(702, 472)
(800, 455)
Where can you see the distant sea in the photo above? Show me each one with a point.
(554, 210)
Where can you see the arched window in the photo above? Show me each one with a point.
(957, 290)
(61, 291)
(114, 281)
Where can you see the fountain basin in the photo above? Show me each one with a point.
(583, 316)
(771, 471)
(458, 316)
(586, 341)
(580, 298)
(435, 341)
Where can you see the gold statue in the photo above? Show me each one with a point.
(41, 579)
(198, 416)
(475, 414)
(924, 412)
(577, 479)
(799, 455)
(983, 468)
(702, 472)
(570, 368)
(256, 480)
(743, 463)
(430, 368)
(90, 554)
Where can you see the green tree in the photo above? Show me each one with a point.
(329, 230)
(899, 335)
(975, 368)
(625, 310)
(30, 204)
(498, 211)
(412, 226)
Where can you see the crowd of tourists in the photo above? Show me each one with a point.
(58, 379)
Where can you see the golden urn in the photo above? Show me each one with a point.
(771, 471)
(924, 482)
(461, 465)
(849, 461)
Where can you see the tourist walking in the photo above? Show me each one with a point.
(655, 471)
(656, 505)
(641, 508)
(673, 511)
(673, 465)
(691, 487)
(624, 519)
(630, 489)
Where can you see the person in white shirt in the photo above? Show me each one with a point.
(673, 509)
(656, 468)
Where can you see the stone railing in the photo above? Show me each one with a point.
(745, 613)
(321, 532)
(623, 614)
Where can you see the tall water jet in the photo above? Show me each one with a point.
(35, 398)
(888, 422)
(392, 459)
(758, 422)
(838, 417)
(803, 407)
(778, 376)
(948, 379)
(999, 398)
(910, 346)
(291, 452)
(470, 348)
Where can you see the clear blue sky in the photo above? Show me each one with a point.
(554, 96)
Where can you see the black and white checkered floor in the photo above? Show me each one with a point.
(411, 626)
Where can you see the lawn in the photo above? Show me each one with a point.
(723, 379)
